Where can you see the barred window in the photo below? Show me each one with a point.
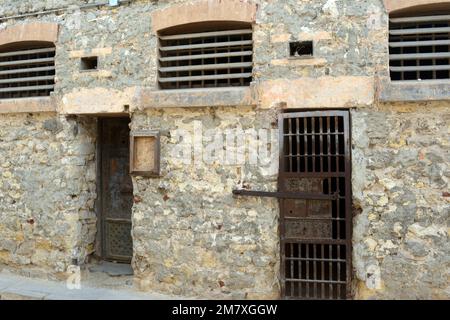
(205, 55)
(27, 70)
(419, 45)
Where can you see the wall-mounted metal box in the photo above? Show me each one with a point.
(145, 149)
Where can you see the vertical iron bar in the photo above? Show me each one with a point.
(338, 234)
(297, 122)
(291, 245)
(330, 270)
(313, 142)
(321, 144)
(322, 255)
(305, 139)
(338, 278)
(315, 269)
(307, 270)
(300, 284)
(328, 144)
(290, 143)
(417, 51)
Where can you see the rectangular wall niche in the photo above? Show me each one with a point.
(145, 153)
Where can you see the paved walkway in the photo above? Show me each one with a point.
(14, 287)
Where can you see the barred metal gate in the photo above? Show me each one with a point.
(315, 226)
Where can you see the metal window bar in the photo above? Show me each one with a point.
(219, 58)
(419, 47)
(27, 72)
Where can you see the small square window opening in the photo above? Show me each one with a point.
(89, 63)
(301, 49)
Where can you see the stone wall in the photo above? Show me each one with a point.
(191, 236)
(47, 192)
(400, 187)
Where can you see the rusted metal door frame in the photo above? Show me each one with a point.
(348, 197)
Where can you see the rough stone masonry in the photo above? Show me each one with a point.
(190, 235)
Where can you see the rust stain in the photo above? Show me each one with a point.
(113, 166)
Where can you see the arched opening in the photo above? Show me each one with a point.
(27, 69)
(419, 43)
(205, 55)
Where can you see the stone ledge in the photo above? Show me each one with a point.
(410, 91)
(211, 97)
(39, 104)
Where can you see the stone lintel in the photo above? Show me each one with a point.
(23, 105)
(47, 32)
(323, 92)
(211, 97)
(203, 11)
(397, 5)
(410, 91)
(97, 101)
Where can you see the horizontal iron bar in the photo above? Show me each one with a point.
(419, 43)
(312, 174)
(313, 219)
(313, 259)
(207, 56)
(206, 34)
(29, 88)
(415, 56)
(313, 155)
(208, 45)
(284, 195)
(320, 241)
(28, 79)
(27, 70)
(400, 32)
(117, 220)
(22, 62)
(217, 66)
(315, 281)
(211, 77)
(420, 68)
(421, 19)
(301, 134)
(23, 52)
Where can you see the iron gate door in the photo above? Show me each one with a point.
(116, 189)
(315, 231)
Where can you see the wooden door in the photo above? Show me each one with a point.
(116, 189)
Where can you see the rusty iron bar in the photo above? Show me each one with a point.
(284, 195)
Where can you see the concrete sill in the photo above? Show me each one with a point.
(410, 91)
(185, 98)
(27, 105)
